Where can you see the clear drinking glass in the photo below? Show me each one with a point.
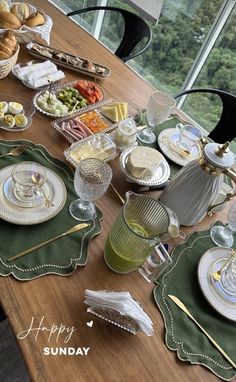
(159, 108)
(223, 235)
(188, 136)
(156, 264)
(28, 178)
(228, 276)
(91, 181)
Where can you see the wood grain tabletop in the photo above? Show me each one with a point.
(114, 355)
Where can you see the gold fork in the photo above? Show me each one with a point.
(15, 151)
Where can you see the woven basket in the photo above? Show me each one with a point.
(7, 65)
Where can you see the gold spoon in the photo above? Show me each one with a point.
(217, 274)
(36, 180)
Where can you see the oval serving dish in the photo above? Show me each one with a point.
(55, 91)
(68, 60)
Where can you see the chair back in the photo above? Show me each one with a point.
(136, 29)
(225, 129)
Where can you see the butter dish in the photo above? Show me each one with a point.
(95, 146)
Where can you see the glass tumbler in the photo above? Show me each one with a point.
(228, 276)
(28, 179)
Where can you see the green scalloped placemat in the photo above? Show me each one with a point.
(60, 257)
(182, 335)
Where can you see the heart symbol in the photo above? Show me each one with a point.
(90, 323)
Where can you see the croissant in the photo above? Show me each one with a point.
(8, 45)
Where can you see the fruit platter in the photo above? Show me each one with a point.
(15, 116)
(63, 100)
(68, 60)
(83, 124)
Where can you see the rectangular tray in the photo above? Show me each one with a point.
(48, 52)
(102, 145)
(57, 123)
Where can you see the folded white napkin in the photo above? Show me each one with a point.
(123, 303)
(38, 74)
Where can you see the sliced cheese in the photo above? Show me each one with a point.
(116, 111)
(120, 112)
(111, 113)
(142, 162)
(124, 106)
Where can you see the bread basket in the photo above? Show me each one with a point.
(26, 34)
(7, 65)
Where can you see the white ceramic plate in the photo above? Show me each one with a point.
(159, 177)
(9, 193)
(28, 216)
(170, 135)
(226, 308)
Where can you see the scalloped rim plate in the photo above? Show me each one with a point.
(225, 308)
(161, 175)
(55, 90)
(27, 216)
(171, 153)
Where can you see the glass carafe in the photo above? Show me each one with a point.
(135, 233)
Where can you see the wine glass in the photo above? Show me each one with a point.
(159, 108)
(91, 181)
(223, 235)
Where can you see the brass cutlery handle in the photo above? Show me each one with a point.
(37, 246)
(118, 194)
(186, 311)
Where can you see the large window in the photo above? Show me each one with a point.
(193, 45)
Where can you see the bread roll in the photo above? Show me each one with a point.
(9, 21)
(3, 56)
(6, 48)
(8, 45)
(34, 20)
(4, 6)
(21, 10)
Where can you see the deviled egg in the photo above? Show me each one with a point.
(3, 107)
(8, 121)
(20, 120)
(15, 108)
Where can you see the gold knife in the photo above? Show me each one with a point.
(76, 228)
(185, 310)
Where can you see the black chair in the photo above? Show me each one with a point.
(136, 29)
(225, 130)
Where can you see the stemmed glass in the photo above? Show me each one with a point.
(91, 181)
(223, 235)
(159, 108)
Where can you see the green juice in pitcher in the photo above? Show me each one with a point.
(125, 251)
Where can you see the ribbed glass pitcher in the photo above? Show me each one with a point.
(135, 233)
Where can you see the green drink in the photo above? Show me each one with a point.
(124, 255)
(135, 233)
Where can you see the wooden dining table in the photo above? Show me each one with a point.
(114, 354)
